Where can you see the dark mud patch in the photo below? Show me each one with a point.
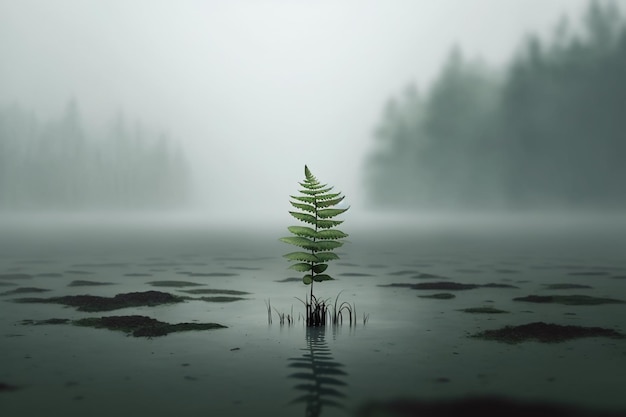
(174, 284)
(95, 303)
(43, 322)
(571, 300)
(545, 333)
(404, 272)
(425, 275)
(84, 283)
(292, 279)
(142, 326)
(15, 276)
(4, 387)
(439, 296)
(477, 406)
(619, 277)
(25, 290)
(50, 275)
(214, 291)
(566, 286)
(447, 286)
(483, 310)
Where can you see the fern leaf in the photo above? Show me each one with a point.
(307, 173)
(324, 245)
(329, 234)
(307, 218)
(305, 207)
(319, 268)
(302, 256)
(302, 267)
(303, 242)
(327, 224)
(312, 185)
(329, 213)
(322, 277)
(325, 197)
(305, 199)
(325, 256)
(304, 231)
(316, 191)
(329, 203)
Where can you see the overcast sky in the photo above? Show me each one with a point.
(254, 89)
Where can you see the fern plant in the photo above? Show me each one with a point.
(318, 241)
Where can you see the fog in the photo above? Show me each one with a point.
(250, 90)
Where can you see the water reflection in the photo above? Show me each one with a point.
(319, 375)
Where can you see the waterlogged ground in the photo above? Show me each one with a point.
(425, 288)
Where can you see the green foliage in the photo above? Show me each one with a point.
(320, 240)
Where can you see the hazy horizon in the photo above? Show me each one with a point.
(252, 90)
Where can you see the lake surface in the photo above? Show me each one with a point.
(409, 347)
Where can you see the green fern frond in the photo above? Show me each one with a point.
(305, 231)
(324, 245)
(312, 185)
(303, 242)
(322, 277)
(327, 224)
(303, 257)
(329, 203)
(302, 267)
(329, 234)
(305, 207)
(326, 256)
(325, 197)
(316, 202)
(316, 191)
(330, 213)
(307, 218)
(304, 199)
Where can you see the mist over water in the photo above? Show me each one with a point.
(406, 106)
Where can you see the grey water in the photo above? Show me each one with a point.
(402, 346)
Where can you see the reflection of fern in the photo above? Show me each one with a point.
(319, 374)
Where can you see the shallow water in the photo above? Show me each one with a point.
(410, 347)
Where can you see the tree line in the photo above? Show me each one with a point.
(547, 131)
(60, 165)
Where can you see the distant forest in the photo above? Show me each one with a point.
(548, 131)
(60, 165)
